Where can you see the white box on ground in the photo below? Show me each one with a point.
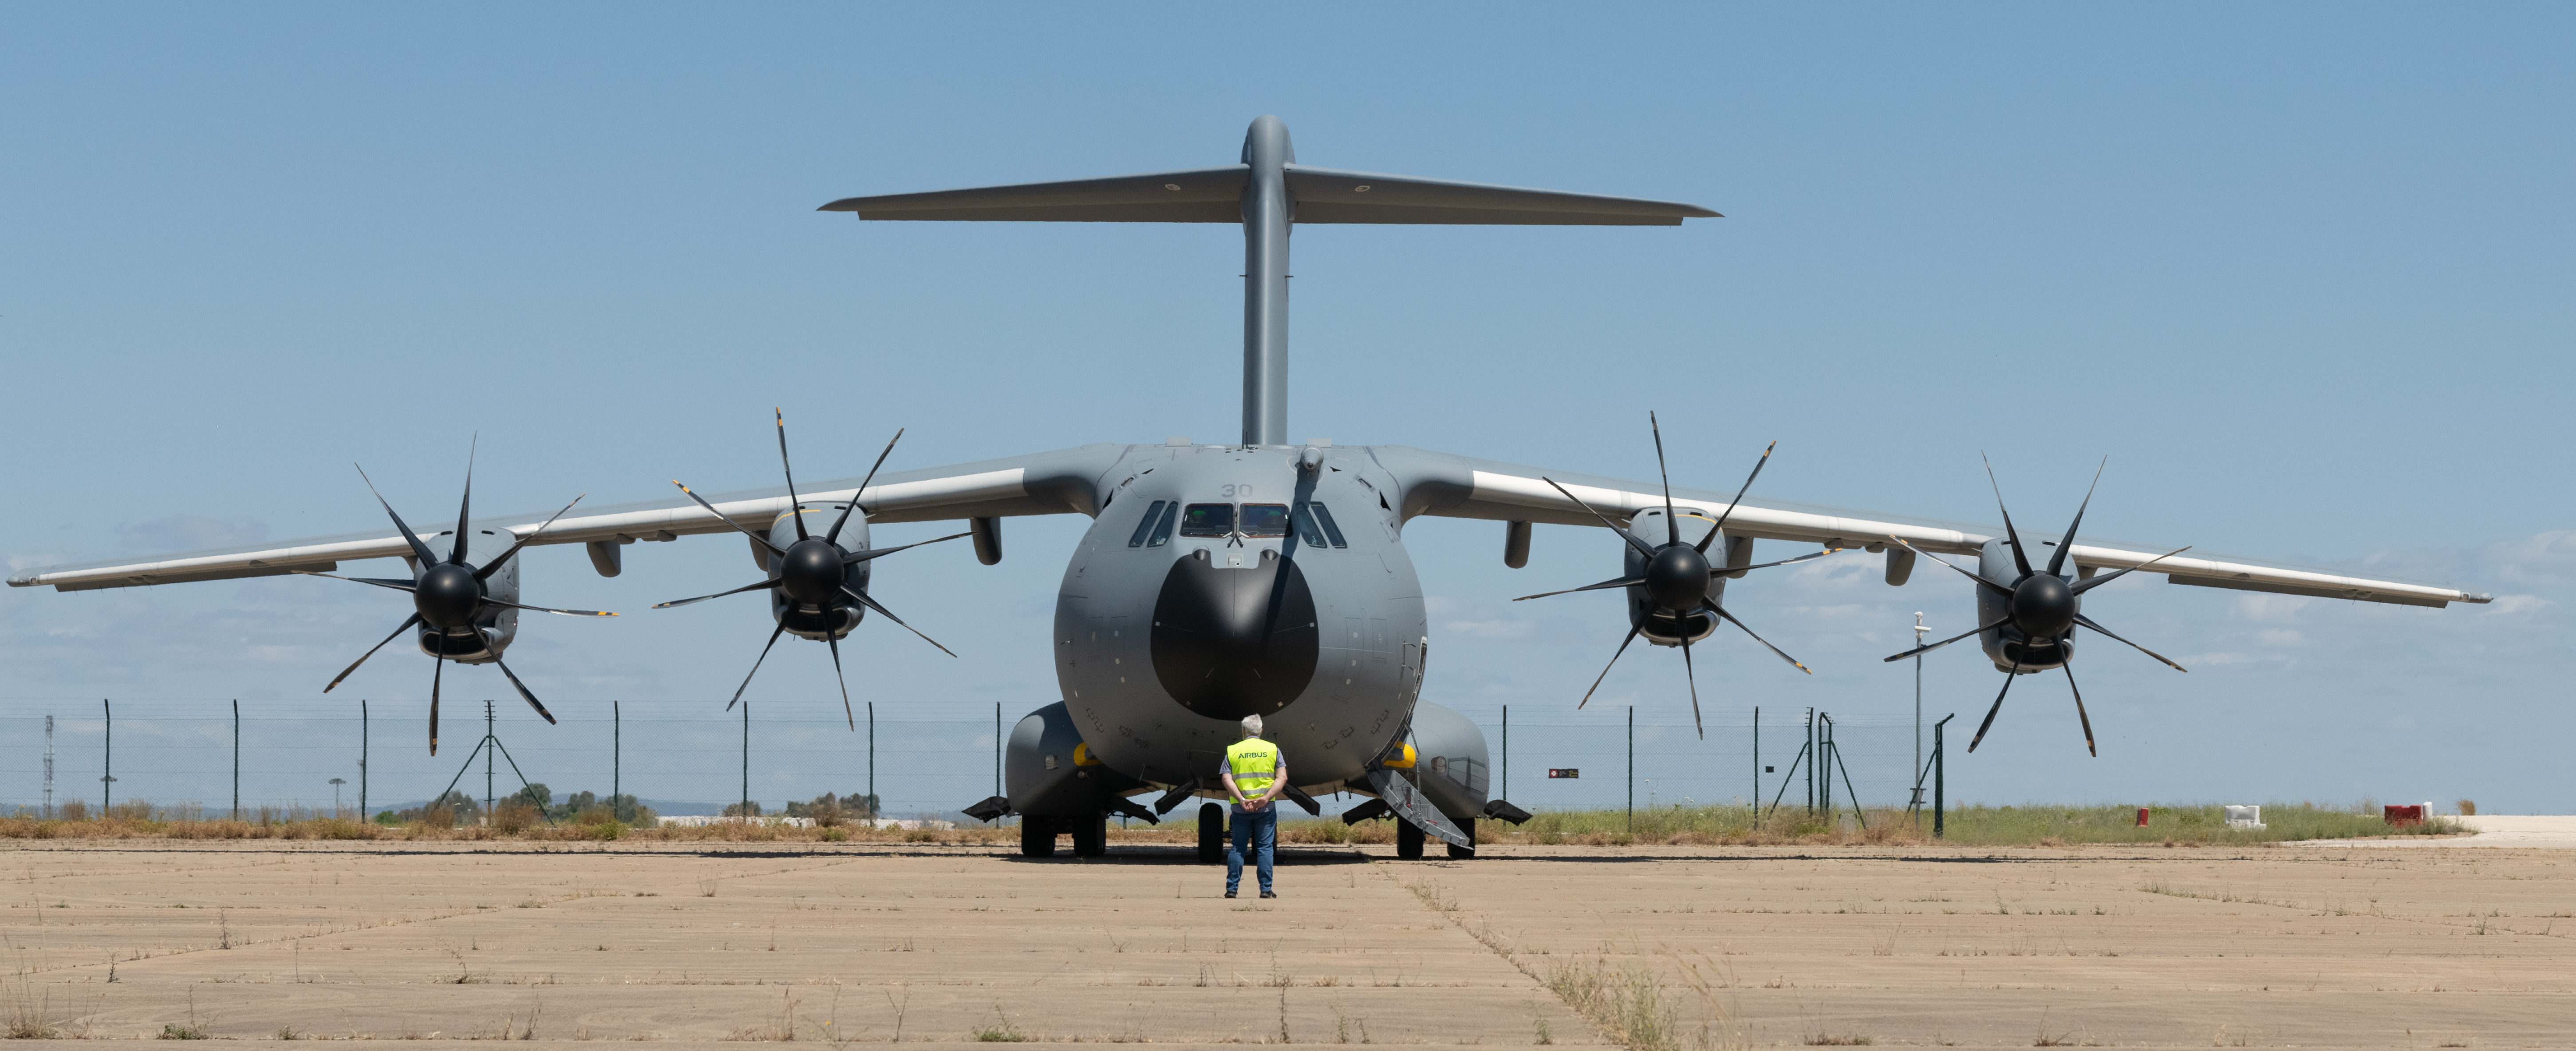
(2245, 817)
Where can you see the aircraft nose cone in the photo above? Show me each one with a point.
(447, 596)
(811, 572)
(2043, 607)
(1677, 577)
(1228, 643)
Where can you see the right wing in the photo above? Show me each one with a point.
(1061, 482)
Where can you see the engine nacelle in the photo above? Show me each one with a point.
(497, 626)
(2007, 645)
(1648, 526)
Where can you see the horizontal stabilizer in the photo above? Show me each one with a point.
(1324, 195)
(1320, 195)
(1204, 195)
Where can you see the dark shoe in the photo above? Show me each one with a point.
(1270, 894)
(1229, 894)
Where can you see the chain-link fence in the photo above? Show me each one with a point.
(920, 758)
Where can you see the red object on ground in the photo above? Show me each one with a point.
(2411, 814)
(2142, 817)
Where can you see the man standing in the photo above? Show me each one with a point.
(1254, 774)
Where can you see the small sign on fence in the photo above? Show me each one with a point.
(1564, 771)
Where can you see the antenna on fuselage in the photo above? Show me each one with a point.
(1267, 192)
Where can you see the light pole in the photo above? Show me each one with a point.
(1919, 631)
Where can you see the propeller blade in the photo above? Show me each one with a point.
(1978, 630)
(755, 667)
(1739, 498)
(542, 609)
(736, 591)
(1999, 706)
(1998, 588)
(419, 550)
(2087, 720)
(1691, 676)
(2088, 622)
(855, 557)
(1716, 571)
(1672, 525)
(523, 689)
(397, 585)
(1619, 583)
(844, 680)
(495, 565)
(2083, 586)
(407, 625)
(2019, 559)
(835, 535)
(720, 516)
(1766, 643)
(795, 507)
(2057, 558)
(465, 505)
(1614, 661)
(437, 668)
(889, 615)
(1640, 545)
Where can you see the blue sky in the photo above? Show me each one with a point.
(2299, 271)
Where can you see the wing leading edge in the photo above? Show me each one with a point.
(1061, 482)
(1449, 486)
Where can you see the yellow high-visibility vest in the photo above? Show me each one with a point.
(1254, 763)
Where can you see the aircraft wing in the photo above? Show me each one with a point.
(1463, 487)
(1061, 482)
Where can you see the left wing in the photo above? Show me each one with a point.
(1061, 482)
(1463, 487)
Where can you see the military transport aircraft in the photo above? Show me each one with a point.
(1258, 576)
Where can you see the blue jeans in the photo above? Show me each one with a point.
(1262, 828)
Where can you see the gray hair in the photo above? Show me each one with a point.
(1252, 726)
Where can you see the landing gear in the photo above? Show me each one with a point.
(1408, 840)
(1211, 833)
(1090, 835)
(1037, 836)
(1468, 826)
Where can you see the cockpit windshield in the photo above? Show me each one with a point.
(1265, 520)
(1206, 520)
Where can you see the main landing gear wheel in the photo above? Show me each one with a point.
(1211, 833)
(1037, 836)
(1408, 840)
(1090, 835)
(1468, 826)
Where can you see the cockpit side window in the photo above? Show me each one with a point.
(1163, 526)
(1265, 520)
(1207, 520)
(1307, 532)
(1146, 525)
(1332, 531)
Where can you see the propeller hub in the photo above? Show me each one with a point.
(811, 572)
(447, 595)
(1677, 578)
(2043, 607)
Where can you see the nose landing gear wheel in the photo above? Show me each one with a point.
(1211, 834)
(1408, 840)
(1090, 835)
(1037, 836)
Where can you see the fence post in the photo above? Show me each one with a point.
(1940, 806)
(872, 763)
(362, 762)
(616, 757)
(488, 737)
(746, 759)
(1757, 763)
(997, 748)
(107, 771)
(1632, 768)
(1811, 762)
(1506, 793)
(236, 758)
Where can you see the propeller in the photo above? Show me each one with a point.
(2042, 606)
(812, 572)
(448, 596)
(1676, 574)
